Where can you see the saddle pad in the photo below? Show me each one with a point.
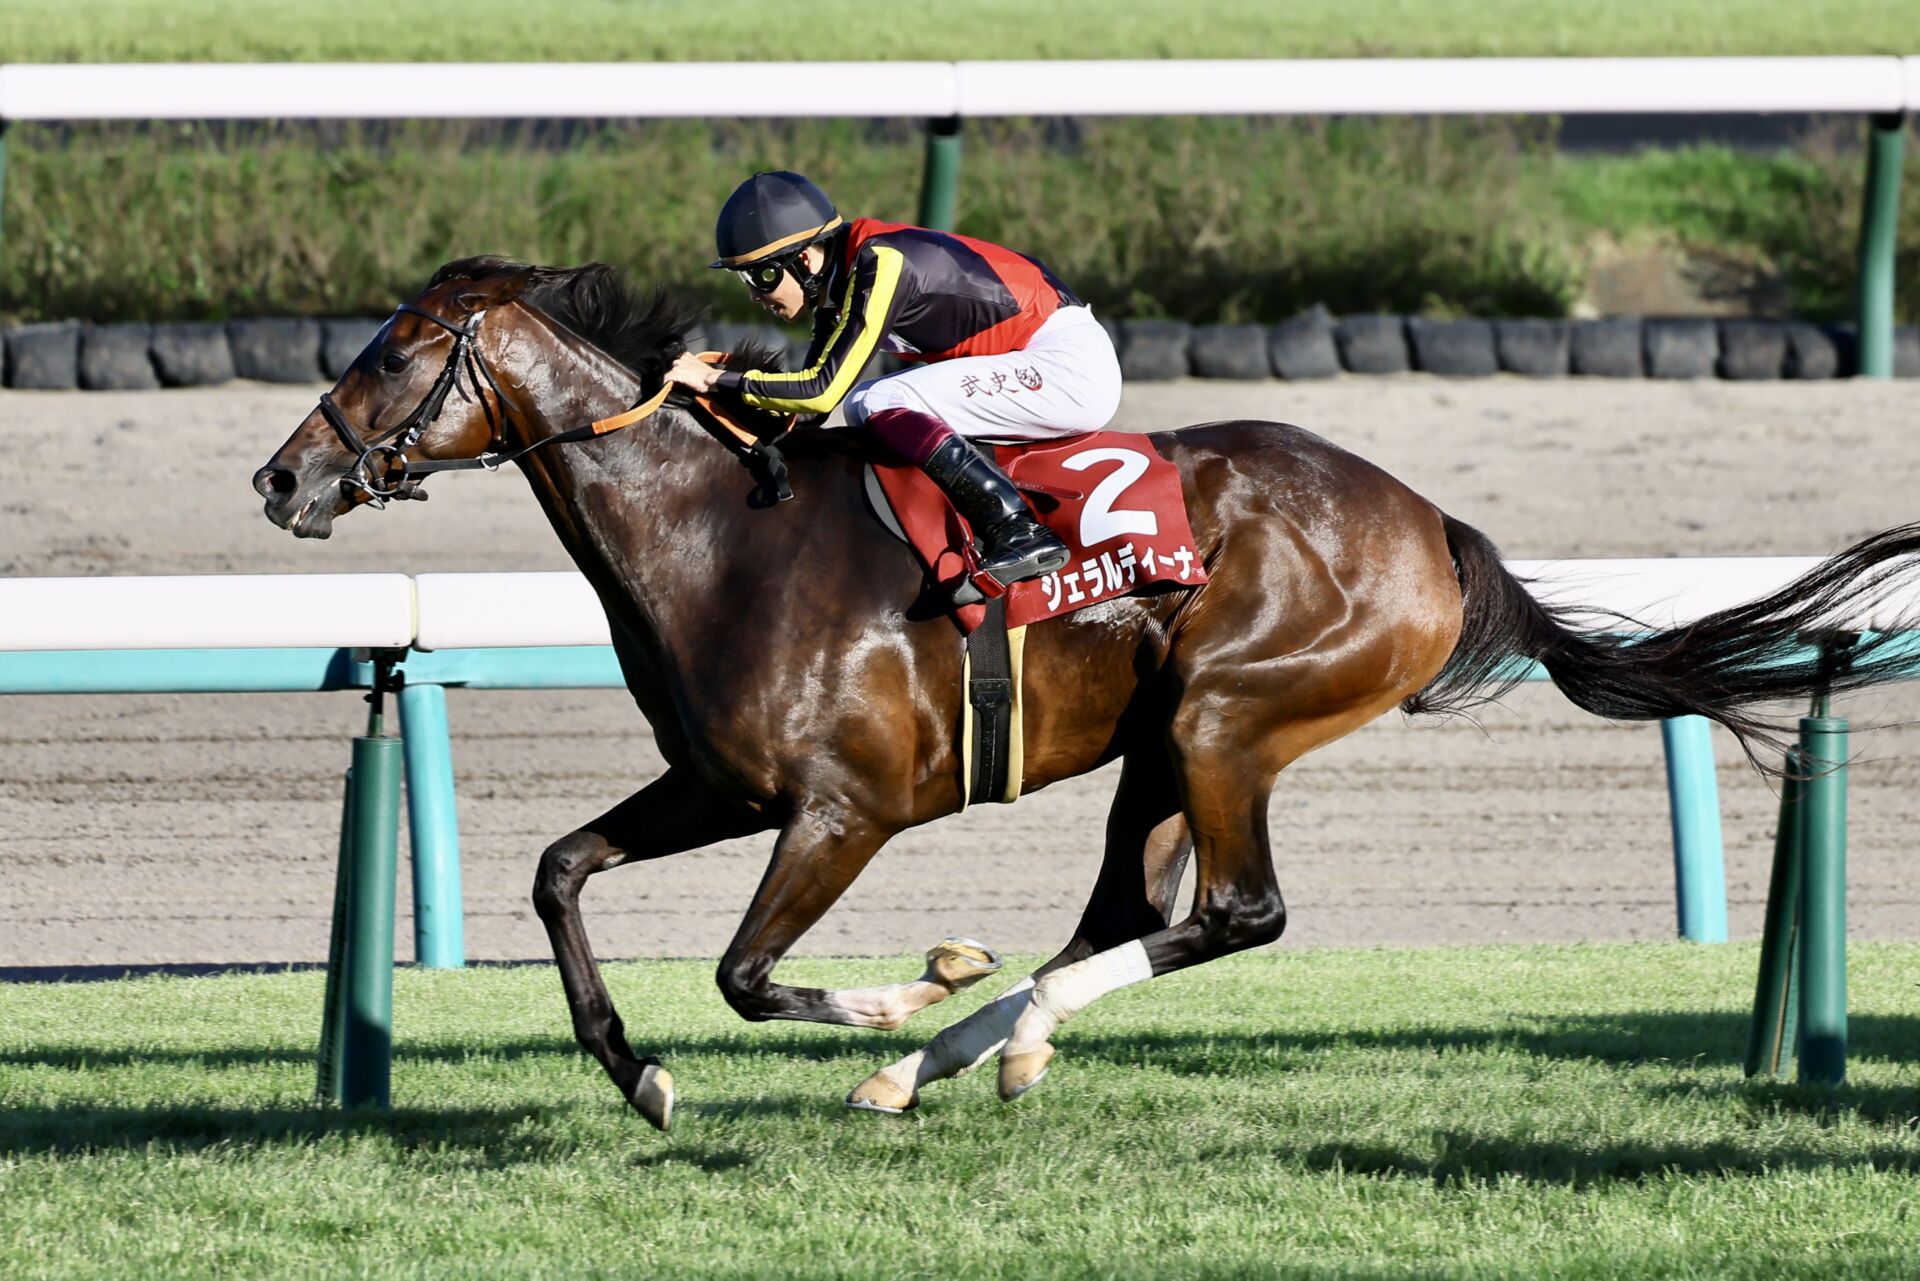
(1109, 495)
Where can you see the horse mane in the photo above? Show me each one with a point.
(643, 329)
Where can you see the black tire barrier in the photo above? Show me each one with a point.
(63, 355)
(1231, 351)
(1682, 348)
(1372, 344)
(1453, 348)
(1811, 352)
(1154, 350)
(341, 342)
(192, 355)
(44, 357)
(117, 358)
(1606, 348)
(1532, 348)
(1752, 349)
(1906, 352)
(721, 336)
(716, 335)
(276, 351)
(1303, 346)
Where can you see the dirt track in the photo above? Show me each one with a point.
(201, 828)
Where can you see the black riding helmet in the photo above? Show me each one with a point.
(767, 221)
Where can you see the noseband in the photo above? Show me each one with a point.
(374, 463)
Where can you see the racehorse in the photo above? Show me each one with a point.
(795, 682)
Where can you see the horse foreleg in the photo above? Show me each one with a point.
(1146, 854)
(675, 812)
(818, 855)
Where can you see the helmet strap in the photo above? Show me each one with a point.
(810, 282)
(813, 283)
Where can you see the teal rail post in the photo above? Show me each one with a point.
(333, 1015)
(1774, 1010)
(432, 827)
(942, 173)
(1699, 869)
(357, 1036)
(1879, 222)
(1823, 901)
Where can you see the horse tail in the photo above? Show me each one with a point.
(1717, 667)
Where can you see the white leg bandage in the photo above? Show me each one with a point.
(963, 1046)
(1068, 990)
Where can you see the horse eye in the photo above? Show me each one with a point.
(394, 361)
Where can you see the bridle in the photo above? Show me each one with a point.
(373, 463)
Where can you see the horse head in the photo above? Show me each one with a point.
(428, 386)
(477, 368)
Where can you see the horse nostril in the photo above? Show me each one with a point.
(274, 482)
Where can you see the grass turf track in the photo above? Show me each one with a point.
(687, 30)
(1497, 1112)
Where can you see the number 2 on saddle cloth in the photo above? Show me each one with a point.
(1115, 502)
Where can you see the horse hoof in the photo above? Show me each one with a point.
(880, 1093)
(1021, 1072)
(958, 963)
(653, 1097)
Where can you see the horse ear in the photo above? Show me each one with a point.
(479, 295)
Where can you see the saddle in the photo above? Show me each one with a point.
(1118, 506)
(1111, 498)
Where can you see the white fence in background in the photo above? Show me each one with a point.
(1359, 86)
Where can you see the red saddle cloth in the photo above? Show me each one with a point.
(1109, 495)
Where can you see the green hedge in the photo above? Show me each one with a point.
(1219, 219)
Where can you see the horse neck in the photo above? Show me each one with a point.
(628, 506)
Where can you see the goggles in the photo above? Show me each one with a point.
(764, 277)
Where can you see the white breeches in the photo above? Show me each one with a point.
(1065, 380)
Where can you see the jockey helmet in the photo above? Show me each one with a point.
(771, 215)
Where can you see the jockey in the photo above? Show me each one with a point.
(998, 349)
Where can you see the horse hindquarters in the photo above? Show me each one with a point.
(1283, 650)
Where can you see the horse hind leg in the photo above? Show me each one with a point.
(1237, 905)
(1225, 782)
(1146, 854)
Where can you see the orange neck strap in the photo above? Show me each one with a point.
(644, 409)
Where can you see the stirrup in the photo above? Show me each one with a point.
(1045, 552)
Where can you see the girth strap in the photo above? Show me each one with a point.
(991, 694)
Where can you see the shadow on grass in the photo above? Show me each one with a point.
(1764, 1100)
(1465, 1159)
(495, 1136)
(816, 1045)
(1707, 1038)
(719, 1162)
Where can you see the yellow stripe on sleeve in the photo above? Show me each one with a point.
(873, 316)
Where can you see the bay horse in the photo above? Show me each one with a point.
(794, 685)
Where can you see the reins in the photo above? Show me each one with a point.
(392, 446)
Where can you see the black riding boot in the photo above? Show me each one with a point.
(1013, 545)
